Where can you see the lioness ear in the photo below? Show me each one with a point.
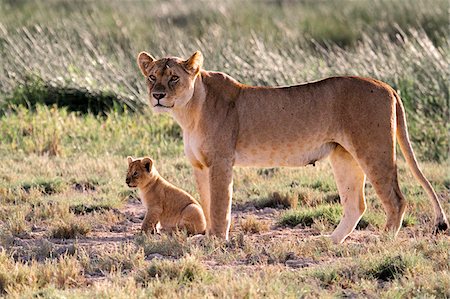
(147, 162)
(144, 60)
(194, 63)
(129, 159)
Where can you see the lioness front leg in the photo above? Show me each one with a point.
(202, 180)
(221, 189)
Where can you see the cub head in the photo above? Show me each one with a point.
(170, 81)
(139, 171)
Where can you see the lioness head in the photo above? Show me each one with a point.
(170, 81)
(139, 171)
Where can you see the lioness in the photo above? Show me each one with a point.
(166, 204)
(355, 121)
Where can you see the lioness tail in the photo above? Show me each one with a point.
(441, 221)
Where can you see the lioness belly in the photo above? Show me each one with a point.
(265, 155)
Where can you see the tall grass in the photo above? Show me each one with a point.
(73, 53)
(62, 170)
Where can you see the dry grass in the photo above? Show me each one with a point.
(252, 225)
(15, 277)
(39, 191)
(69, 229)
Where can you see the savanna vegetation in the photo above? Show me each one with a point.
(73, 106)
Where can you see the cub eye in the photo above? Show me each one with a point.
(152, 78)
(135, 173)
(174, 78)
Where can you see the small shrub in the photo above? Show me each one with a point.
(251, 224)
(11, 274)
(332, 198)
(327, 276)
(83, 209)
(322, 186)
(371, 219)
(185, 271)
(123, 258)
(64, 272)
(277, 200)
(267, 172)
(326, 213)
(390, 267)
(70, 230)
(46, 186)
(6, 237)
(16, 222)
(43, 210)
(169, 245)
(409, 220)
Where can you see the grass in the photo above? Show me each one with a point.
(69, 230)
(64, 272)
(406, 47)
(252, 225)
(72, 108)
(184, 271)
(277, 201)
(89, 191)
(174, 246)
(330, 214)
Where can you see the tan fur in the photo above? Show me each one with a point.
(226, 124)
(166, 204)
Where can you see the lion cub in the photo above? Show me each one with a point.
(166, 204)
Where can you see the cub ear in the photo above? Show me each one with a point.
(144, 60)
(147, 162)
(129, 159)
(194, 63)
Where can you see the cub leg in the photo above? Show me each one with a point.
(221, 190)
(350, 181)
(151, 219)
(202, 180)
(193, 220)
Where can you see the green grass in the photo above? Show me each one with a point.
(73, 107)
(330, 214)
(94, 67)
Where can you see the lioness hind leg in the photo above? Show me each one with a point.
(393, 201)
(382, 174)
(193, 220)
(350, 181)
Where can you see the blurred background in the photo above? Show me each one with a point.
(80, 55)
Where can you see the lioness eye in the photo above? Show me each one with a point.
(152, 78)
(174, 78)
(135, 173)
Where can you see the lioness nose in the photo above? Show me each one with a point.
(158, 95)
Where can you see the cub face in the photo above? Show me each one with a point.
(139, 171)
(170, 81)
